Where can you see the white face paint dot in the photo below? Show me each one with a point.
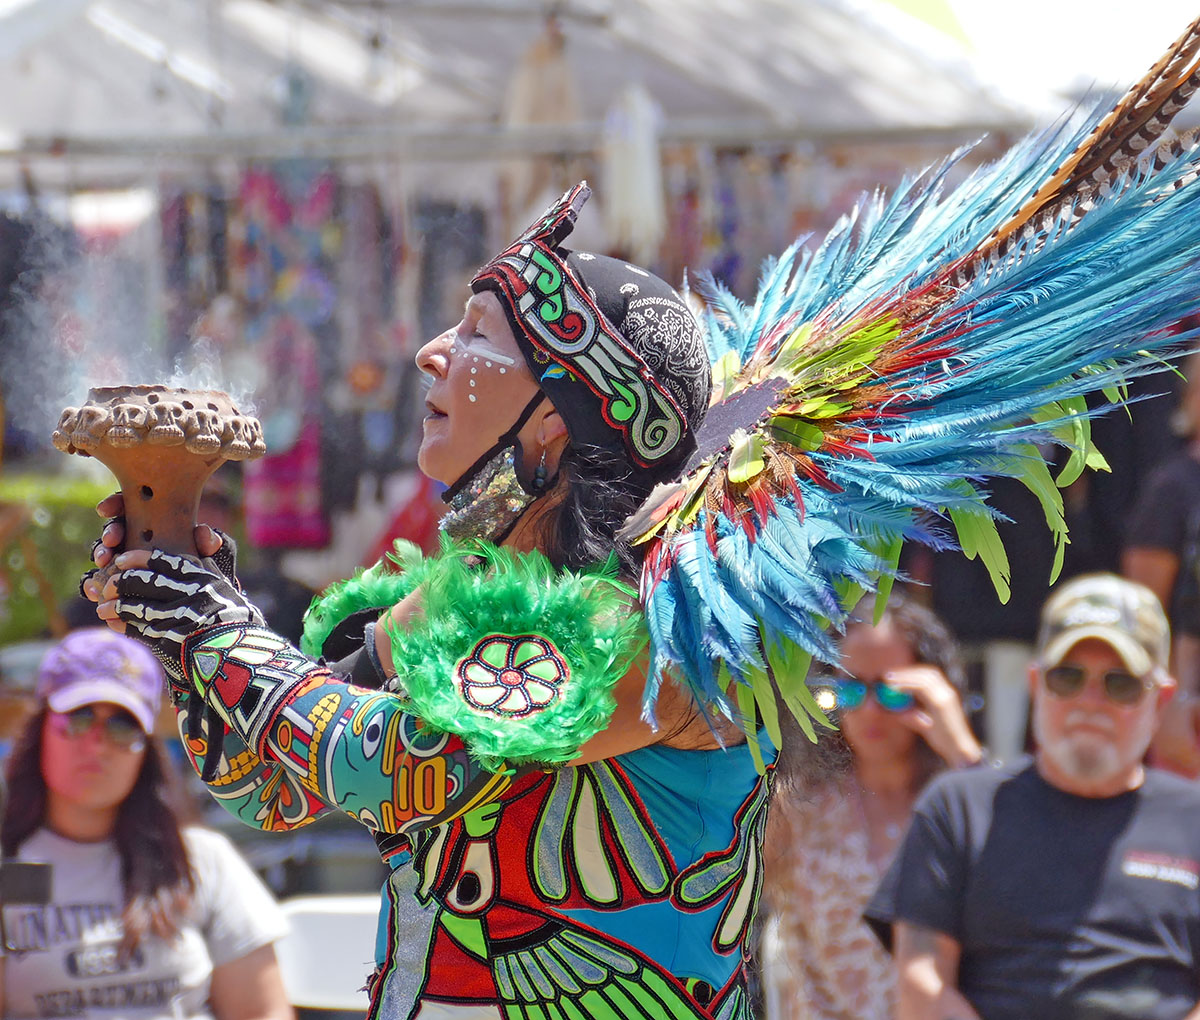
(473, 370)
(453, 350)
(487, 364)
(472, 381)
(503, 370)
(471, 397)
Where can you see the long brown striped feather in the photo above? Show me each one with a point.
(1134, 124)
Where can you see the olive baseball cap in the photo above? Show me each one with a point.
(1123, 614)
(97, 665)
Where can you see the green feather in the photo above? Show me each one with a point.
(795, 347)
(977, 536)
(1035, 476)
(745, 704)
(787, 428)
(849, 592)
(789, 668)
(768, 708)
(745, 456)
(725, 370)
(891, 556)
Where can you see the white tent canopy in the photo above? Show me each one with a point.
(419, 79)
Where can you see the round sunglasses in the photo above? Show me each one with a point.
(851, 693)
(1121, 686)
(120, 729)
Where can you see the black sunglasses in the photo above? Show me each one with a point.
(1120, 685)
(120, 729)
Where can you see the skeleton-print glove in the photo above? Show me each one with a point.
(173, 597)
(224, 559)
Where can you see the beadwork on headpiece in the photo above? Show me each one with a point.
(568, 339)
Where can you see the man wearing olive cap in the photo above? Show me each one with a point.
(1067, 886)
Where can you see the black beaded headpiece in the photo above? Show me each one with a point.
(614, 347)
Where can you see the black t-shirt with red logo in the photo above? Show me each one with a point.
(1066, 907)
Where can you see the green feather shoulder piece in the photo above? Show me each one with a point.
(516, 658)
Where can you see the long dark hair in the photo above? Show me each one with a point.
(599, 491)
(156, 872)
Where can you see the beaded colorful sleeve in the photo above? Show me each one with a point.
(510, 663)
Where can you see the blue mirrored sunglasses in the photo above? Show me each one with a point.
(851, 693)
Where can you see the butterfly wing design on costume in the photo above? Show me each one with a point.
(593, 849)
(574, 972)
(876, 383)
(733, 874)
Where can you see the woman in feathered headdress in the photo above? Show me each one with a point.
(622, 882)
(567, 838)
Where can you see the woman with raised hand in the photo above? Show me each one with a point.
(833, 833)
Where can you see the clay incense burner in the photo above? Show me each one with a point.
(162, 444)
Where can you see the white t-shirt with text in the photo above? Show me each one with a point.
(61, 959)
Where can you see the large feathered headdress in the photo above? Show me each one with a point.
(932, 341)
(876, 382)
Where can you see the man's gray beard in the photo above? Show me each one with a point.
(1083, 757)
(1089, 757)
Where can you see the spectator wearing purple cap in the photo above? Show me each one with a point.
(147, 919)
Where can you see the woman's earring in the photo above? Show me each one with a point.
(539, 475)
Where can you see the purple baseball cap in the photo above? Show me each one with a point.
(99, 665)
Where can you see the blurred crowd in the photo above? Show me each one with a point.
(911, 877)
